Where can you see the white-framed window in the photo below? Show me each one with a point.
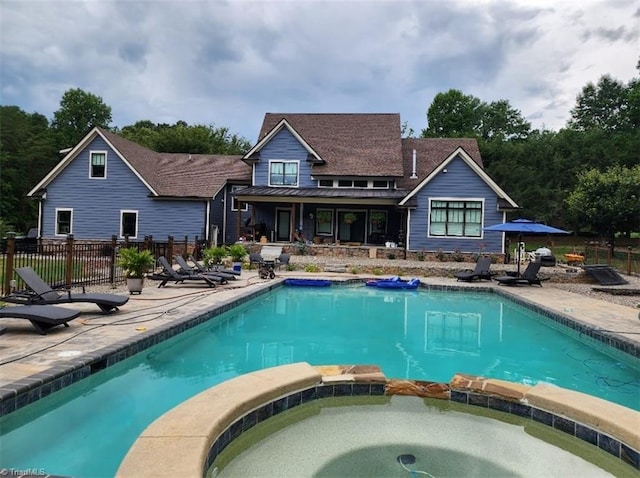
(455, 217)
(129, 223)
(283, 173)
(98, 164)
(324, 222)
(64, 221)
(234, 200)
(355, 183)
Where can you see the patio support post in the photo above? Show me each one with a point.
(112, 259)
(8, 271)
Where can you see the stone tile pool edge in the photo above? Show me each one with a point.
(187, 440)
(27, 390)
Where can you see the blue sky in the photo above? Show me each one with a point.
(227, 63)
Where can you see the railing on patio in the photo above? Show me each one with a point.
(70, 263)
(627, 261)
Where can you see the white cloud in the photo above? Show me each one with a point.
(229, 63)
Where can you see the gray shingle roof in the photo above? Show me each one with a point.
(181, 174)
(350, 144)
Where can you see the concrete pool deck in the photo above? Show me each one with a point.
(23, 352)
(26, 356)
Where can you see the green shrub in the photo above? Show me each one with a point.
(377, 271)
(354, 270)
(214, 255)
(311, 268)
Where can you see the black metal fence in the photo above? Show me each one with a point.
(627, 261)
(70, 263)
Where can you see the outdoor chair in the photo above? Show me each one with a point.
(528, 277)
(42, 317)
(254, 258)
(215, 275)
(40, 293)
(282, 260)
(170, 274)
(481, 271)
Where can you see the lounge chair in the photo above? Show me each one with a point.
(40, 293)
(170, 274)
(481, 271)
(200, 268)
(528, 277)
(42, 317)
(217, 276)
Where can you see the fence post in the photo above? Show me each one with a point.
(148, 245)
(186, 246)
(69, 268)
(628, 260)
(8, 267)
(170, 249)
(114, 257)
(126, 240)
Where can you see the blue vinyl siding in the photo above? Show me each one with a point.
(97, 203)
(459, 181)
(284, 146)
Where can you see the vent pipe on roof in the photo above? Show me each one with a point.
(413, 170)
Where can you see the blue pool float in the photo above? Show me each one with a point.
(394, 283)
(307, 282)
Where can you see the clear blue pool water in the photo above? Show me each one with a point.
(86, 429)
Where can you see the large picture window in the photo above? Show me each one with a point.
(234, 200)
(64, 222)
(98, 164)
(283, 173)
(129, 224)
(457, 218)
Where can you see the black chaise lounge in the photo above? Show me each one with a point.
(528, 277)
(217, 276)
(170, 274)
(42, 317)
(481, 271)
(40, 293)
(215, 269)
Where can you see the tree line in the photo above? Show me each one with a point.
(584, 177)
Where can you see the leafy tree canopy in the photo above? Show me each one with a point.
(456, 115)
(79, 111)
(609, 201)
(182, 138)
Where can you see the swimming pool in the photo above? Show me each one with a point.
(409, 334)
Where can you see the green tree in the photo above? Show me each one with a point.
(608, 202)
(79, 112)
(27, 153)
(502, 122)
(183, 138)
(453, 115)
(609, 105)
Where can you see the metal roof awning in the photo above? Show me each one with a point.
(319, 195)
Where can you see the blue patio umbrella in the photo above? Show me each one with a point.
(524, 226)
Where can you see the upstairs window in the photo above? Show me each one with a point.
(98, 164)
(64, 221)
(234, 200)
(129, 224)
(283, 173)
(455, 218)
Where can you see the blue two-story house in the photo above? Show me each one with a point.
(107, 185)
(352, 179)
(333, 178)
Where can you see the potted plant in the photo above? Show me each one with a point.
(135, 264)
(237, 252)
(377, 217)
(214, 255)
(350, 218)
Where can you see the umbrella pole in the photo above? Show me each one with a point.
(519, 251)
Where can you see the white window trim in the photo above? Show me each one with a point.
(91, 153)
(271, 161)
(458, 199)
(244, 208)
(129, 211)
(61, 209)
(334, 183)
